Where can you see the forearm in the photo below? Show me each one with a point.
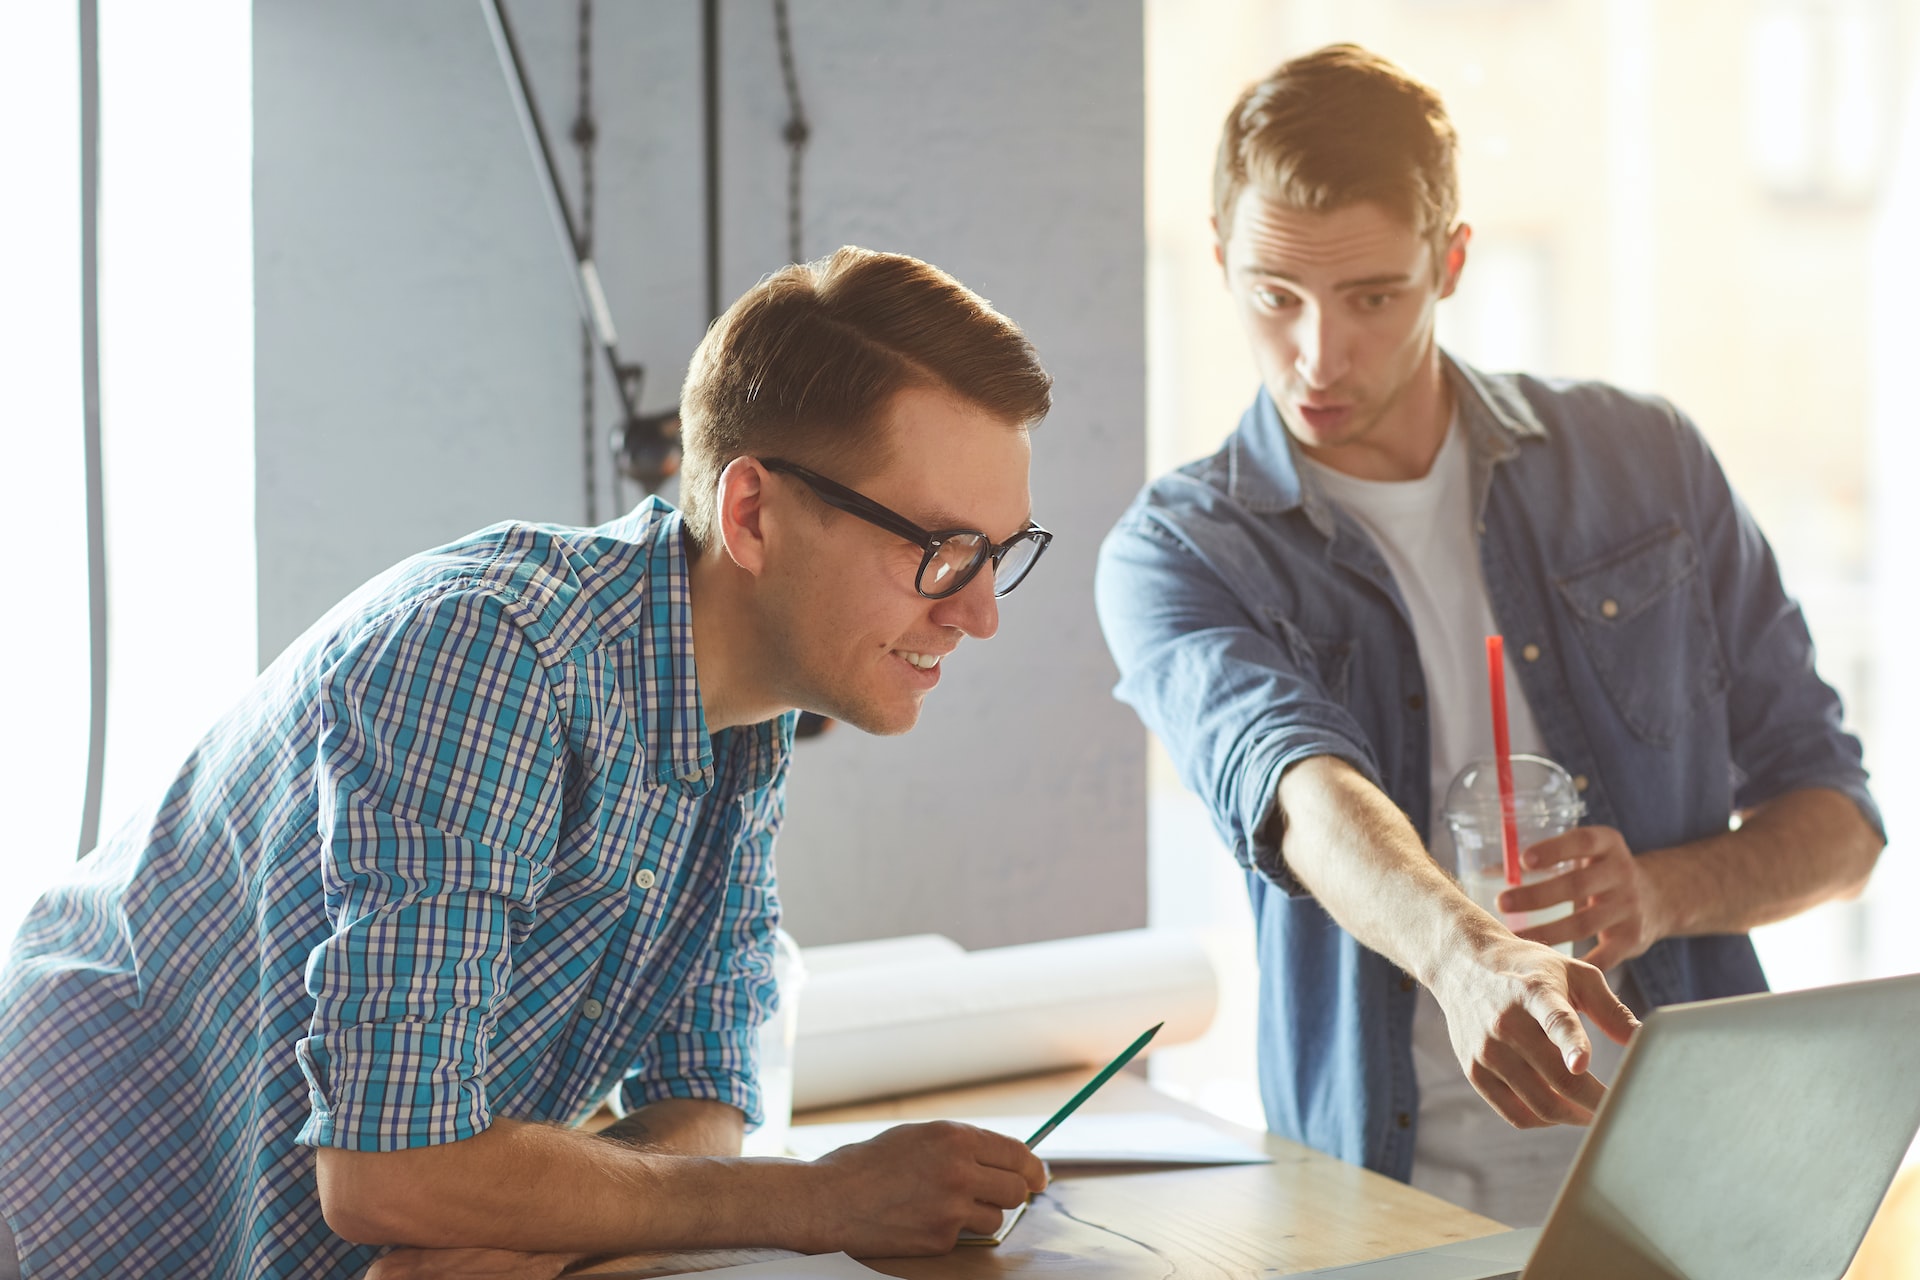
(681, 1126)
(1353, 848)
(540, 1188)
(1792, 853)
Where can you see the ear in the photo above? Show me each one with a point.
(1219, 249)
(1456, 259)
(740, 513)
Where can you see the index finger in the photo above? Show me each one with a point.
(1558, 1018)
(1589, 989)
(999, 1151)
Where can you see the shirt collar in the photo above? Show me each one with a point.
(679, 747)
(1263, 459)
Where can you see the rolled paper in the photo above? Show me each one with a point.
(925, 1018)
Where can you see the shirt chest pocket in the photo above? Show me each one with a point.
(1642, 614)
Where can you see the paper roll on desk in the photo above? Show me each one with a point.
(903, 1015)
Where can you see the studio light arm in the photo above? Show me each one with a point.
(649, 445)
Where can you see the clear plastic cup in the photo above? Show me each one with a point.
(1545, 804)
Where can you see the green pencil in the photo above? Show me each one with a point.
(1126, 1056)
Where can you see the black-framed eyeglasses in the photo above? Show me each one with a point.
(951, 557)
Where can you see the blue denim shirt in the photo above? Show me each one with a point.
(1255, 624)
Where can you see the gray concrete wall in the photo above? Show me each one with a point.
(418, 370)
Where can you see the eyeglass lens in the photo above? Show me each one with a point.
(959, 557)
(952, 564)
(1014, 564)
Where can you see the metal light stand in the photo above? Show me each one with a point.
(648, 445)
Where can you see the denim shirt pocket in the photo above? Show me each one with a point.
(1642, 614)
(1325, 660)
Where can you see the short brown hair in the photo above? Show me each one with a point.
(805, 362)
(1337, 127)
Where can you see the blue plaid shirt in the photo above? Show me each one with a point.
(466, 850)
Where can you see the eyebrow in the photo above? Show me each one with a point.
(1363, 282)
(942, 520)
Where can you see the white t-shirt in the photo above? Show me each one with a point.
(1463, 1151)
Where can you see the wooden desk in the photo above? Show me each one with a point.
(1304, 1210)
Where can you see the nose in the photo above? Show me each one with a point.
(1320, 357)
(973, 608)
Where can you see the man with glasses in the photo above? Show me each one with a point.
(493, 843)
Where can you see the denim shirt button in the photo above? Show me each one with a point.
(1406, 983)
(1404, 1120)
(1579, 782)
(1531, 653)
(1609, 608)
(1415, 702)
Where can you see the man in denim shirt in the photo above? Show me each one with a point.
(1297, 618)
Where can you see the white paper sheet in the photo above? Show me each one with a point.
(1127, 1137)
(1007, 1218)
(799, 1267)
(922, 1017)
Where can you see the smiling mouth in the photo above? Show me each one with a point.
(924, 661)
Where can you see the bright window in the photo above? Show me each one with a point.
(176, 317)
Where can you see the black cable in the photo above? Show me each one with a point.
(797, 130)
(585, 134)
(710, 119)
(811, 724)
(90, 399)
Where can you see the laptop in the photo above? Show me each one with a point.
(1743, 1139)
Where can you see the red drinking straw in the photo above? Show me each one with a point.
(1503, 754)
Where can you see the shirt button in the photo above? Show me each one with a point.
(1609, 608)
(1579, 782)
(1415, 702)
(643, 879)
(592, 1009)
(1531, 653)
(1406, 984)
(1404, 1120)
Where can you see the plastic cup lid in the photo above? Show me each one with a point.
(1541, 790)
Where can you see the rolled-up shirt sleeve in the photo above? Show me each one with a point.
(1220, 687)
(439, 790)
(705, 1044)
(1786, 725)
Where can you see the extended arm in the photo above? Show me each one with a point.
(1512, 1006)
(1238, 698)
